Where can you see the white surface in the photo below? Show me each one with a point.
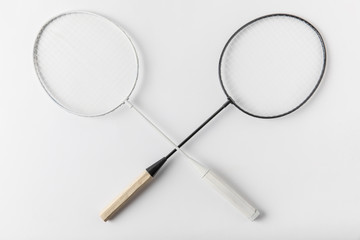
(58, 170)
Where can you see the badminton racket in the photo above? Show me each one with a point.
(89, 66)
(269, 68)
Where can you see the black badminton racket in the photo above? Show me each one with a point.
(268, 68)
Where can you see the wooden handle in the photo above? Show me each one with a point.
(119, 201)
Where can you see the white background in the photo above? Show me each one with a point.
(58, 170)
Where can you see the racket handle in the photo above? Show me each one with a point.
(129, 192)
(231, 195)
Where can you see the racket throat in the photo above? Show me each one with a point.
(153, 169)
(229, 100)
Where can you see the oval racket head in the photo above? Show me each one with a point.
(272, 65)
(86, 63)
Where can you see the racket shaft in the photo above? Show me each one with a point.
(231, 195)
(216, 182)
(129, 192)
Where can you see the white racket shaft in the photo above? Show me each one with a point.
(215, 181)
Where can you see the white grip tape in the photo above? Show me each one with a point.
(231, 195)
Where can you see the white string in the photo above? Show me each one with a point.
(86, 63)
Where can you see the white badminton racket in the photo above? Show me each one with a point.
(89, 66)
